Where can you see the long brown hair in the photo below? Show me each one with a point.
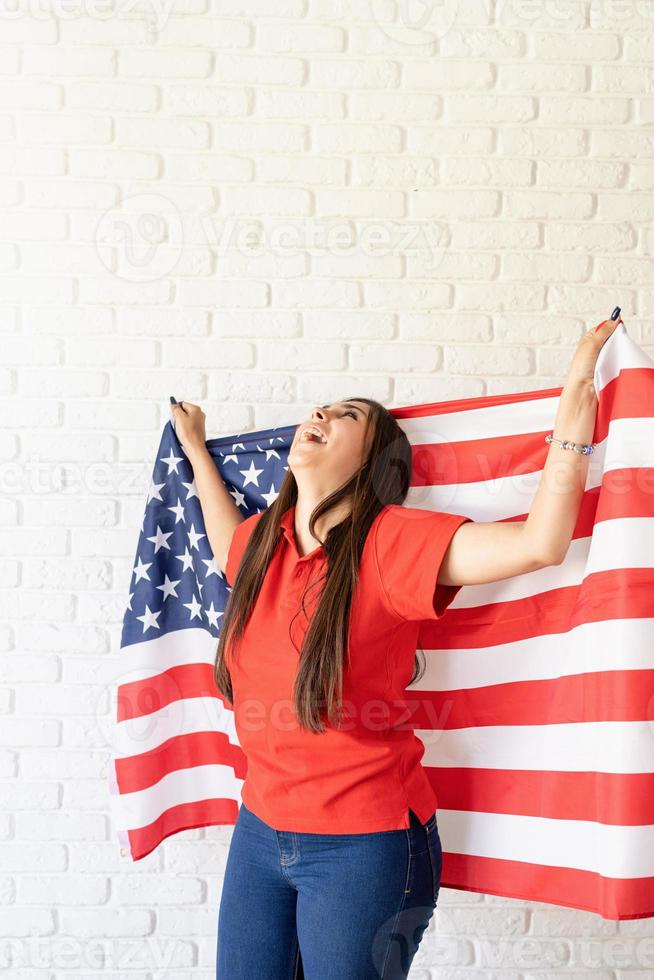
(384, 478)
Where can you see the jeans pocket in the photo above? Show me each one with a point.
(436, 858)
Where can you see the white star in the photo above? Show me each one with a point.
(271, 495)
(149, 618)
(171, 461)
(194, 536)
(153, 491)
(251, 475)
(199, 585)
(233, 456)
(212, 615)
(195, 607)
(272, 452)
(212, 567)
(168, 587)
(141, 571)
(192, 490)
(160, 539)
(178, 511)
(129, 601)
(239, 498)
(186, 559)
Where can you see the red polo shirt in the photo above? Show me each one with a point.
(365, 775)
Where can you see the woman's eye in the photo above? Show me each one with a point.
(350, 412)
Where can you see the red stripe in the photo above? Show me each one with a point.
(137, 772)
(607, 695)
(478, 402)
(478, 460)
(618, 799)
(186, 816)
(628, 396)
(626, 492)
(614, 594)
(492, 458)
(143, 697)
(612, 898)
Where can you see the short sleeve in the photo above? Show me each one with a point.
(409, 546)
(240, 538)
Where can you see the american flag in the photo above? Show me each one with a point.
(537, 706)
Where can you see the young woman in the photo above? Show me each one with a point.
(334, 866)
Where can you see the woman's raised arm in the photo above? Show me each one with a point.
(220, 513)
(487, 551)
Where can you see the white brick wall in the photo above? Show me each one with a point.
(504, 159)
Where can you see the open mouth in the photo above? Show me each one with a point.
(313, 436)
(310, 437)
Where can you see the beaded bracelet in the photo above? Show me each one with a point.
(586, 448)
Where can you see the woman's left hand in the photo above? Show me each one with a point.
(582, 367)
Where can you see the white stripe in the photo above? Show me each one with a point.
(621, 542)
(481, 422)
(183, 717)
(619, 353)
(624, 542)
(589, 648)
(148, 658)
(603, 849)
(601, 746)
(629, 443)
(134, 810)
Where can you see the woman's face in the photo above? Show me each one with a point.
(332, 463)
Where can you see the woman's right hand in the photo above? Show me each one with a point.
(189, 426)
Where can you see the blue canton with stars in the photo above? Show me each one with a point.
(176, 581)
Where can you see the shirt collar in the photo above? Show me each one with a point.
(287, 523)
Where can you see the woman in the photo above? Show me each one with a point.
(335, 860)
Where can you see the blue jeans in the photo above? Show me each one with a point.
(300, 906)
